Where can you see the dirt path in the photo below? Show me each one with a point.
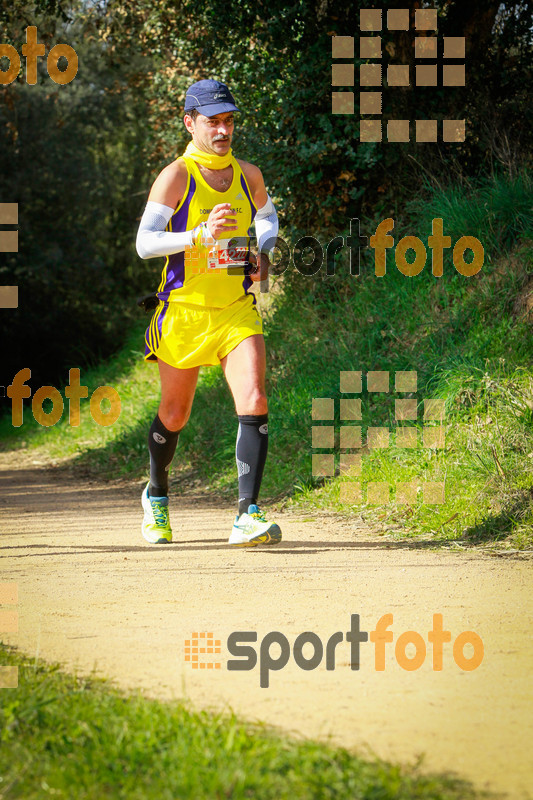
(92, 594)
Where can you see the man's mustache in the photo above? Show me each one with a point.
(221, 139)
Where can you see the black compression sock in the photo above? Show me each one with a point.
(162, 446)
(251, 452)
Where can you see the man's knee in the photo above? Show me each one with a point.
(255, 403)
(174, 418)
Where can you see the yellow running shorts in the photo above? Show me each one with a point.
(185, 335)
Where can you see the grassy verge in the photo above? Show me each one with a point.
(469, 340)
(486, 466)
(65, 737)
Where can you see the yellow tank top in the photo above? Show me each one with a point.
(201, 276)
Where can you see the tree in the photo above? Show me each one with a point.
(71, 156)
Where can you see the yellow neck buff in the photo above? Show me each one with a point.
(209, 160)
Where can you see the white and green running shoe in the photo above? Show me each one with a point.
(252, 528)
(156, 523)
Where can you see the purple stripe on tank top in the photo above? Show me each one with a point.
(176, 262)
(247, 193)
(247, 281)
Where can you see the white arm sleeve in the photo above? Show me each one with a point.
(152, 238)
(266, 225)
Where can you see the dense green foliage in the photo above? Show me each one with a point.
(65, 737)
(72, 158)
(277, 59)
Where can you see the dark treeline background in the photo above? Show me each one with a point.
(79, 158)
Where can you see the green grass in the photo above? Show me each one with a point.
(64, 737)
(471, 344)
(487, 464)
(498, 211)
(468, 339)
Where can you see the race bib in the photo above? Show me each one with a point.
(226, 254)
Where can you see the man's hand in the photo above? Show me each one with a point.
(220, 221)
(262, 264)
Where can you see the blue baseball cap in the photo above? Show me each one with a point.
(209, 98)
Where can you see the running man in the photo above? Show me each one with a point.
(206, 315)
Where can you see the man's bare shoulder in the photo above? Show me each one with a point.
(254, 178)
(169, 186)
(253, 174)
